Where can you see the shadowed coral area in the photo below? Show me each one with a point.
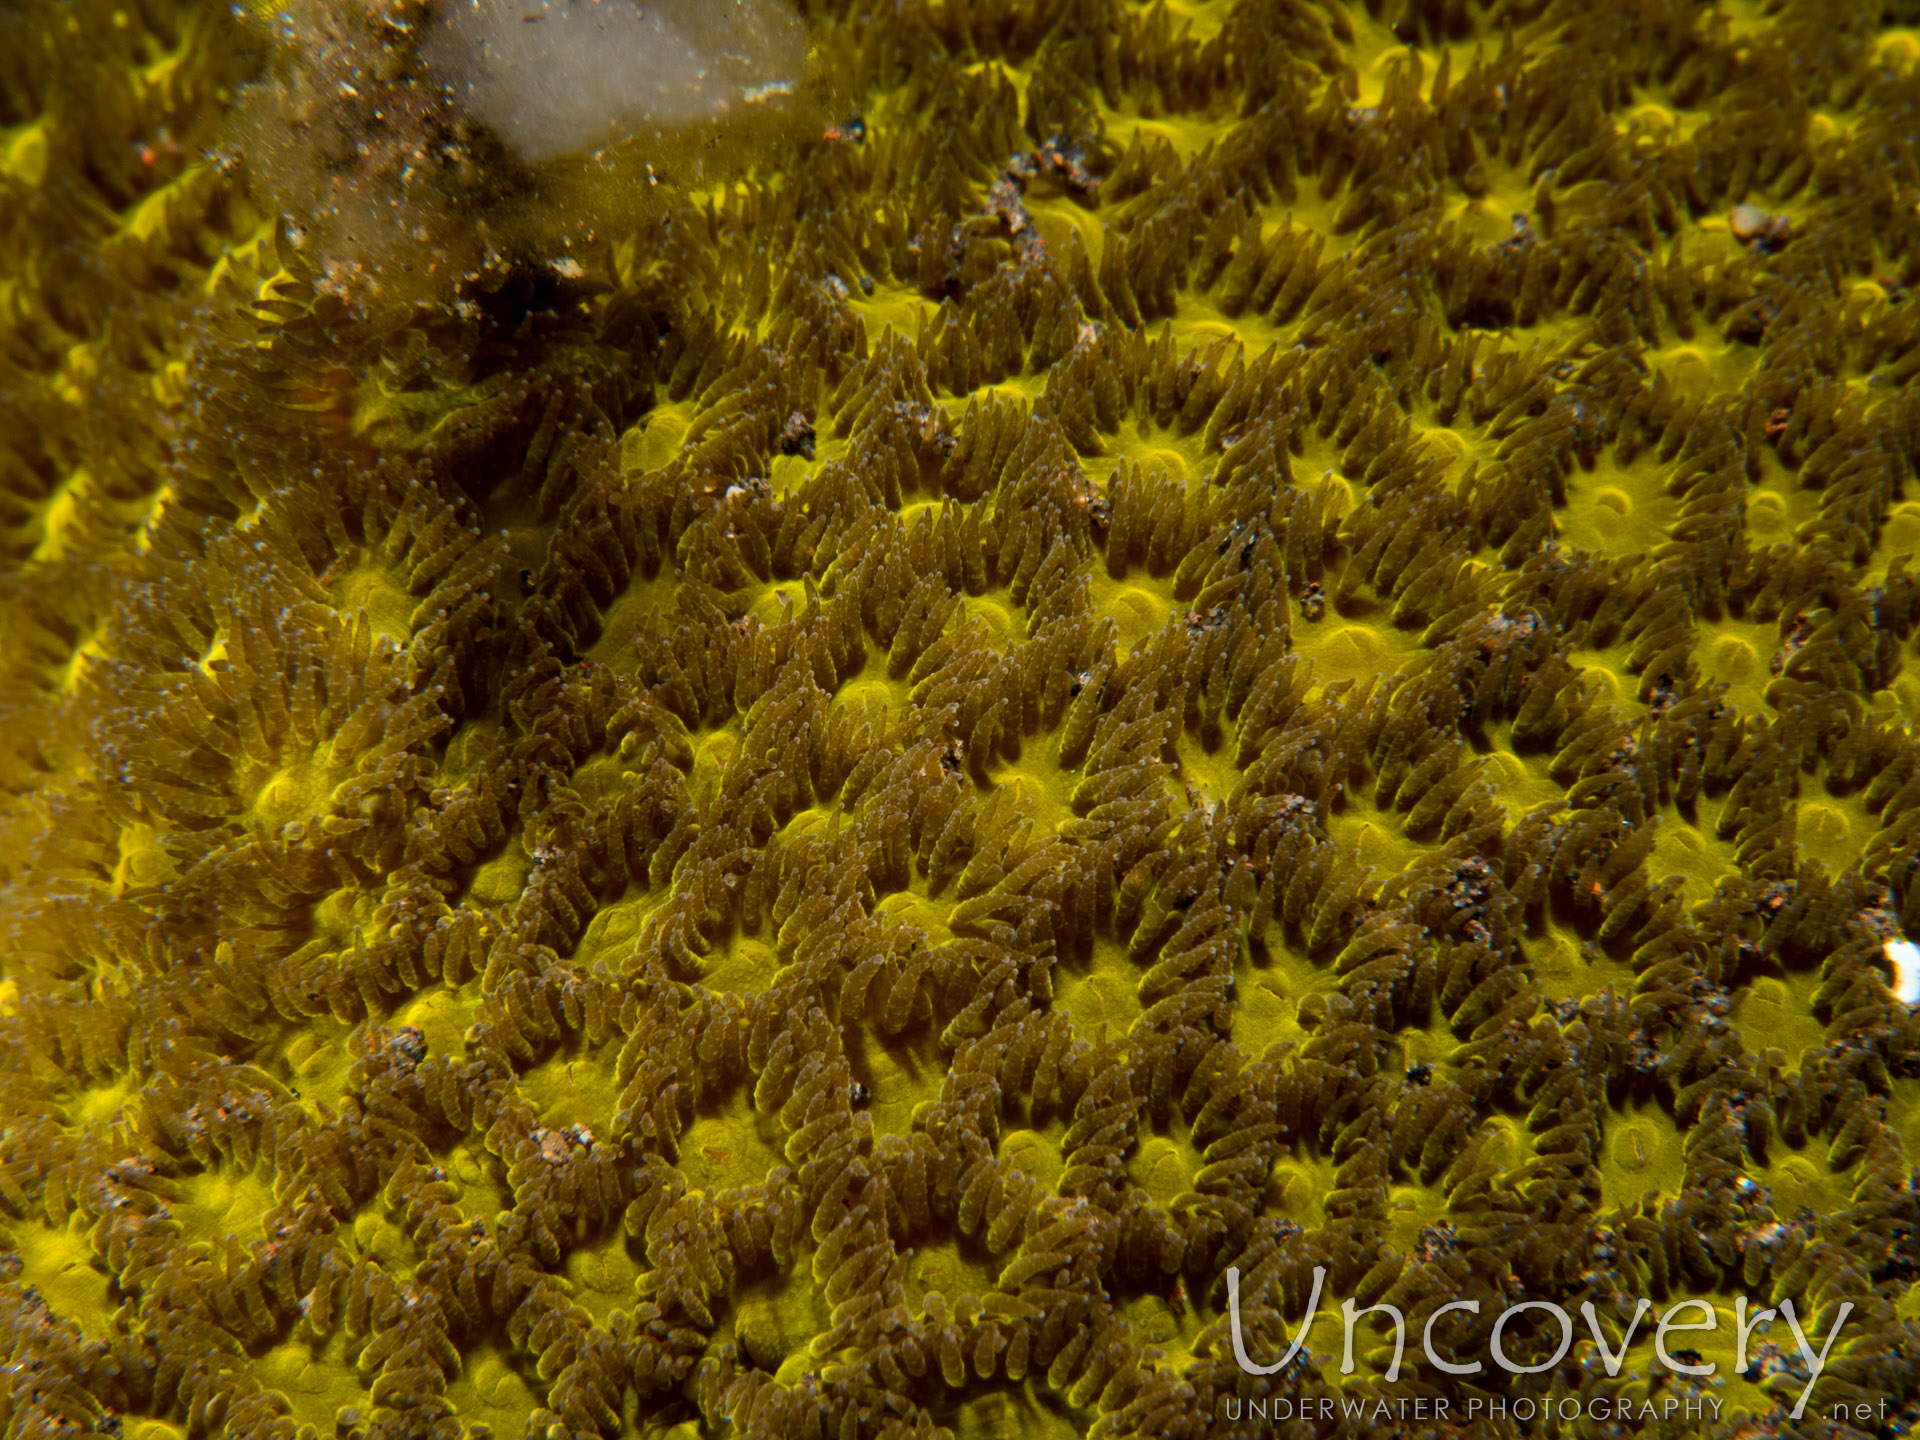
(1246, 634)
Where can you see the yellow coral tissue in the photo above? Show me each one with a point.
(959, 719)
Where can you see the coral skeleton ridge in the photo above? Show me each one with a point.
(719, 721)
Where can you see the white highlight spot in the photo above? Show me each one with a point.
(558, 77)
(1905, 956)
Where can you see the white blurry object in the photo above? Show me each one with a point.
(1905, 956)
(559, 77)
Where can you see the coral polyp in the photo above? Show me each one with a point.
(1229, 637)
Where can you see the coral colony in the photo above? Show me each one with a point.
(959, 718)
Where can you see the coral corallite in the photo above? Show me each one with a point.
(1259, 634)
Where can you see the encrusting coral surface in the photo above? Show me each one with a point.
(799, 799)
